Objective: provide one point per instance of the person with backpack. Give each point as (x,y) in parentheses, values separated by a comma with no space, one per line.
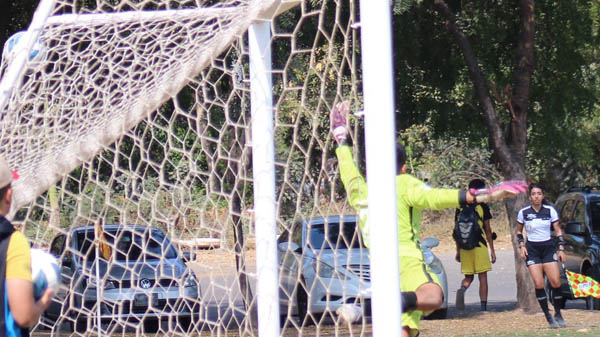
(18,311)
(472,234)
(420,288)
(541,252)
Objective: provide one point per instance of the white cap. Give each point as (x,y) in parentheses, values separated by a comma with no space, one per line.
(6,175)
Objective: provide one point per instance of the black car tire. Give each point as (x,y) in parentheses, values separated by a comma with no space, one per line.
(592,303)
(304,318)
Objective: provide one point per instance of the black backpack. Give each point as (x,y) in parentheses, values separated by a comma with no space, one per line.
(467,232)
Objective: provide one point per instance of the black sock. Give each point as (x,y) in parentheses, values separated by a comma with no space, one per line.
(558,300)
(409,301)
(483,305)
(464,288)
(542,300)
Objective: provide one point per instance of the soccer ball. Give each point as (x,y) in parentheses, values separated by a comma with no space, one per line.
(45,272)
(36,54)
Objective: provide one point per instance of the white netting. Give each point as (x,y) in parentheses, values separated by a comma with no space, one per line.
(139,114)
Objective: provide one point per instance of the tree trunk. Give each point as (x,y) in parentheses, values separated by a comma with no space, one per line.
(235,180)
(510,150)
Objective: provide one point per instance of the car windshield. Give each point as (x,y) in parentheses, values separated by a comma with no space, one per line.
(131,245)
(333,235)
(595,214)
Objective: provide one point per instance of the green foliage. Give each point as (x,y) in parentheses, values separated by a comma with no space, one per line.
(447,162)
(433,84)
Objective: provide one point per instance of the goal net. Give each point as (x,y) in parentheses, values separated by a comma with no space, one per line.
(130,129)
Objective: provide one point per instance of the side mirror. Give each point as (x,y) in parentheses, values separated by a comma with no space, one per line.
(189,256)
(575,228)
(288,245)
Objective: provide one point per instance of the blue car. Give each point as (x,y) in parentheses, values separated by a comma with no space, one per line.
(144,281)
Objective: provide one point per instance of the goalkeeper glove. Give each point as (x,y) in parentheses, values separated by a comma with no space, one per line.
(505,189)
(339,128)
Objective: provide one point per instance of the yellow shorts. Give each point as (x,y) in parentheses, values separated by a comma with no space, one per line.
(475,261)
(413,274)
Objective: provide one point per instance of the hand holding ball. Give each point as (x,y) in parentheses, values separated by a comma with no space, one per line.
(45,272)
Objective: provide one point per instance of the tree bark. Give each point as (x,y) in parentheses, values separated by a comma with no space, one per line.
(510,150)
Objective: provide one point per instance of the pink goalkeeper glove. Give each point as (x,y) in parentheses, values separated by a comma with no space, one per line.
(505,189)
(338,124)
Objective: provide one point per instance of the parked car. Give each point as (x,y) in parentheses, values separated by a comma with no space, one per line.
(579,210)
(146,279)
(324,264)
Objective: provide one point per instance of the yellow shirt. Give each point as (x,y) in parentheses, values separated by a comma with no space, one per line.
(412,195)
(18,258)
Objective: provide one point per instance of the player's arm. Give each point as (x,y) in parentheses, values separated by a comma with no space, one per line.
(559,234)
(422,196)
(19,288)
(487,228)
(354,183)
(25,310)
(520,238)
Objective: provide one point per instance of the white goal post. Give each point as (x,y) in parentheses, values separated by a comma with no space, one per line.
(138,113)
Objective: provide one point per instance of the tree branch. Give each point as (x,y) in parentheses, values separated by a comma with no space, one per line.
(475,73)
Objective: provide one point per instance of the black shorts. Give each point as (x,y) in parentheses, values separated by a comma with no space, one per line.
(540,252)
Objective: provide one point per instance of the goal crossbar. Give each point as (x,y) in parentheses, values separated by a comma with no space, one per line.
(55,153)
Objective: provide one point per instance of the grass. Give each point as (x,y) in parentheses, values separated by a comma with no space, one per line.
(552,333)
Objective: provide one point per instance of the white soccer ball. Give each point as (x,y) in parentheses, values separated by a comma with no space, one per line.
(349,313)
(36,54)
(45,272)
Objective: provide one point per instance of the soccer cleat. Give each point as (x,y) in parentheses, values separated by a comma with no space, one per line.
(553,324)
(559,319)
(460,299)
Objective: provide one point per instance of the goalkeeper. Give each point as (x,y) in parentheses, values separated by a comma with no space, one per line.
(420,287)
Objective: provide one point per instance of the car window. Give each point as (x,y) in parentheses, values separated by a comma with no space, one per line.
(565,211)
(142,244)
(595,214)
(579,212)
(335,235)
(57,245)
(297,234)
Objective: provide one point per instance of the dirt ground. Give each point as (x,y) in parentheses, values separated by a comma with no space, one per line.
(499,320)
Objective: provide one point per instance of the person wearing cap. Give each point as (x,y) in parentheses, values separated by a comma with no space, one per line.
(420,289)
(19,310)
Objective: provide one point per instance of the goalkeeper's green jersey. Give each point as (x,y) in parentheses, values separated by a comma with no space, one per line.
(412,194)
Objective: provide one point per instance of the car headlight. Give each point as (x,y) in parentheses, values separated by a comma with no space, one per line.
(190,281)
(90,284)
(326,271)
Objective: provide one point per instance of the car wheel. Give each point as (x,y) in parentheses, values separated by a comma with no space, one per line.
(304,317)
(150,325)
(438,314)
(184,324)
(591,303)
(282,320)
